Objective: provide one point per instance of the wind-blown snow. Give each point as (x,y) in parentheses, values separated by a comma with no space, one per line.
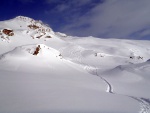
(71,74)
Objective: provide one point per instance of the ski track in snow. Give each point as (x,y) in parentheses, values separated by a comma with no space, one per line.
(76,54)
(144,103)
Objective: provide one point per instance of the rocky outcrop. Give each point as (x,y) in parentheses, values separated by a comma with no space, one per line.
(136,57)
(39,36)
(36,52)
(8,32)
(33,26)
(48,37)
(39,31)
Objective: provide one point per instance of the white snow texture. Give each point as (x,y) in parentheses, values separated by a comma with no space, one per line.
(42,71)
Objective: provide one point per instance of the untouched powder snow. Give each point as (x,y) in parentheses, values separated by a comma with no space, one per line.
(46,72)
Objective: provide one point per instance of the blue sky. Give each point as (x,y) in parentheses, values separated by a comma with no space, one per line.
(101,18)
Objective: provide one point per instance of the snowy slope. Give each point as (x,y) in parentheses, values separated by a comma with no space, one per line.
(70,74)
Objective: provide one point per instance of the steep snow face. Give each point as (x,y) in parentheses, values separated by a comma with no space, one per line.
(42,71)
(26,27)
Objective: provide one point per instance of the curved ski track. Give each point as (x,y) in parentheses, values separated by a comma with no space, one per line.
(76,54)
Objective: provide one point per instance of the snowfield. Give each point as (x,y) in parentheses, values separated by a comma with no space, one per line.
(46,72)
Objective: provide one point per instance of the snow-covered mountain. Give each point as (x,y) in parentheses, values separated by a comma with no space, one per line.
(42,71)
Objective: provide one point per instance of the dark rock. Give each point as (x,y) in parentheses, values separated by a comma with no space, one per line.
(8,32)
(37,50)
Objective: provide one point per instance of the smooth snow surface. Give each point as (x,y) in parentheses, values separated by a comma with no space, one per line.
(71,74)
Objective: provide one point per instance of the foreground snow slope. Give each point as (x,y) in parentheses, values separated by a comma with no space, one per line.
(70,74)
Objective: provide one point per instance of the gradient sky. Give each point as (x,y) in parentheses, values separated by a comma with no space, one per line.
(100,18)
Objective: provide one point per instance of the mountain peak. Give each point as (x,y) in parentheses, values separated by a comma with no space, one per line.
(23,17)
(35,29)
(32,21)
